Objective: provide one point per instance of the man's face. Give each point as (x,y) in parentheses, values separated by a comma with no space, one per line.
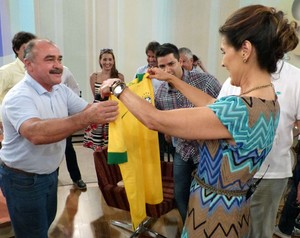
(186,62)
(170,65)
(46,66)
(151,59)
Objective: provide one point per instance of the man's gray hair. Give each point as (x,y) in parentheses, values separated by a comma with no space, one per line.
(29,50)
(186,51)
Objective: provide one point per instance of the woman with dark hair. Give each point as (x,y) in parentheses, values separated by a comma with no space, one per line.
(96,136)
(108,70)
(235,133)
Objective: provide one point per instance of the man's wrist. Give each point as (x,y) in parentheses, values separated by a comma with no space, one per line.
(171,80)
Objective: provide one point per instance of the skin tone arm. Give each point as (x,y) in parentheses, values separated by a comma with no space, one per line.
(194,95)
(121,76)
(199,63)
(39,131)
(188,123)
(93,78)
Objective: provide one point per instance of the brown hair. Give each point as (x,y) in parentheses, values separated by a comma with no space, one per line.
(267,29)
(152,46)
(114,72)
(21,38)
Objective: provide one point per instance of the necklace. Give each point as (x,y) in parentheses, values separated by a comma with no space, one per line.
(258,87)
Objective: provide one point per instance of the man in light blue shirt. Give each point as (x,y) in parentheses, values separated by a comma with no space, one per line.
(38,114)
(151,62)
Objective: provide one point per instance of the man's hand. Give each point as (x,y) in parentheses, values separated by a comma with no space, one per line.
(102,112)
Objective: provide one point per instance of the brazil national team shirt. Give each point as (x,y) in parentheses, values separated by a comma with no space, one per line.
(136,149)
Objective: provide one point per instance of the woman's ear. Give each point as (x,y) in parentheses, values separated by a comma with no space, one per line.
(246,50)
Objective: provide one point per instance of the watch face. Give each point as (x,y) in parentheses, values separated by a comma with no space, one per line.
(118,89)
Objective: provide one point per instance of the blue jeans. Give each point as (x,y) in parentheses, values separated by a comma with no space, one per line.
(71,160)
(31,201)
(289,213)
(182,182)
(291,209)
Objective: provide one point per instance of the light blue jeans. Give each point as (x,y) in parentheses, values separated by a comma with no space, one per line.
(31,202)
(182,182)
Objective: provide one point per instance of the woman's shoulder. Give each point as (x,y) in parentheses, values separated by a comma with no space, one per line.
(95,75)
(121,76)
(229,98)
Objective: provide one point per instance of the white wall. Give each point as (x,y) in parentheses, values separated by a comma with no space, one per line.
(82,27)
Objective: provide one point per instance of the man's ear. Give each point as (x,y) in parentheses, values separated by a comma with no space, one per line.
(180,61)
(28,65)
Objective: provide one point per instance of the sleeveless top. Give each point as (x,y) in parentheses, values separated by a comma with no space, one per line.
(96,136)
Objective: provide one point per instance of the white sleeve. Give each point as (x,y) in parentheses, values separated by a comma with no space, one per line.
(69,80)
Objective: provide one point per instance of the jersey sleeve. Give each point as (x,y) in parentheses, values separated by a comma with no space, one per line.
(117,150)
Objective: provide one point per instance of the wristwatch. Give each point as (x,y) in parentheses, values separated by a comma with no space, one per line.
(117,88)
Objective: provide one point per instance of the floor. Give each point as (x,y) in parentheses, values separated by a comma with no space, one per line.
(86,214)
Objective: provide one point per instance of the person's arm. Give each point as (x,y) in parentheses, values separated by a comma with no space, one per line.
(39,131)
(93,78)
(194,95)
(200,64)
(121,76)
(188,123)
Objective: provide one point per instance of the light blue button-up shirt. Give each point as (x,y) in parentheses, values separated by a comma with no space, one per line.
(26,100)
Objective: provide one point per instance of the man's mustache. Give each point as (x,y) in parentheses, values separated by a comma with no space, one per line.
(56,71)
